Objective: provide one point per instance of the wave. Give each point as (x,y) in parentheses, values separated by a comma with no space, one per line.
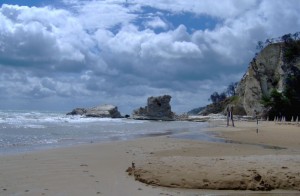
(40,120)
(21,130)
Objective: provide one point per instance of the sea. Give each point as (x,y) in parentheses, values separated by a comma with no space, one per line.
(24,131)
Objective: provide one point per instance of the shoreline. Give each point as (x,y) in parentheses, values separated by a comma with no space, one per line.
(99,169)
(39,135)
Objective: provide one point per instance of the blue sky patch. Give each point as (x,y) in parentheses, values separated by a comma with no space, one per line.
(30,3)
(192,21)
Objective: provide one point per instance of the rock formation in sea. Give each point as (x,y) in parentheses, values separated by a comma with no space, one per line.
(77,111)
(102,111)
(158,108)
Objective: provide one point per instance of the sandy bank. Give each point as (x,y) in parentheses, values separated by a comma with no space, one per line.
(263,157)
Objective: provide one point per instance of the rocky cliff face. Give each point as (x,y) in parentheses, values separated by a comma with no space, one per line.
(158,108)
(266,72)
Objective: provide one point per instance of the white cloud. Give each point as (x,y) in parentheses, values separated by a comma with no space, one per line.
(221,9)
(32,38)
(156,23)
(163,48)
(105,14)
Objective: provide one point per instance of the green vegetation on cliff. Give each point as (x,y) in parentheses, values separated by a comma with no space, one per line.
(221,100)
(287,102)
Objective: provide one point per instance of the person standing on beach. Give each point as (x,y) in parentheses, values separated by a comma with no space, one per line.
(230,115)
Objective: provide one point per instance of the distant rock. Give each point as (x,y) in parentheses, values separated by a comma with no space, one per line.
(195,111)
(77,111)
(102,111)
(158,108)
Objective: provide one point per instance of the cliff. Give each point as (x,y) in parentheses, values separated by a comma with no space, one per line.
(268,71)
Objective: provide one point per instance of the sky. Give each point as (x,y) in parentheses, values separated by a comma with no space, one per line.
(56,55)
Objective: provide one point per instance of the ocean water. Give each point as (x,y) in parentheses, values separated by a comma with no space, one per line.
(22,131)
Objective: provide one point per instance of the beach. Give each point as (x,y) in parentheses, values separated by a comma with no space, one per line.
(263,157)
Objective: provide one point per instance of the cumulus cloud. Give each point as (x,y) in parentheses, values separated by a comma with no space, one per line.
(121,52)
(156,23)
(224,9)
(41,37)
(104,14)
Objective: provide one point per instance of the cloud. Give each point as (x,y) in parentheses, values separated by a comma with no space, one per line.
(156,23)
(30,39)
(121,52)
(223,9)
(104,14)
(170,45)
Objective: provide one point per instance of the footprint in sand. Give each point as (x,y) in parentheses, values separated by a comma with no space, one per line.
(257,178)
(245,175)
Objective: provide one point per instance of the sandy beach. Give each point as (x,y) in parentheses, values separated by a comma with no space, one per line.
(264,158)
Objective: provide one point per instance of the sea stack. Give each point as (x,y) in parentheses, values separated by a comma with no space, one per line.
(102,111)
(158,108)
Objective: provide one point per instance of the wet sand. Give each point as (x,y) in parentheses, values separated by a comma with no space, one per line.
(99,169)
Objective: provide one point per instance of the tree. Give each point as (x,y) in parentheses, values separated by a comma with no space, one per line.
(296,35)
(231,89)
(291,50)
(222,96)
(286,103)
(216,97)
(287,38)
(292,92)
(268,41)
(276,102)
(260,45)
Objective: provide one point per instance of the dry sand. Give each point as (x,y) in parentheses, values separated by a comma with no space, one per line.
(250,159)
(254,160)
